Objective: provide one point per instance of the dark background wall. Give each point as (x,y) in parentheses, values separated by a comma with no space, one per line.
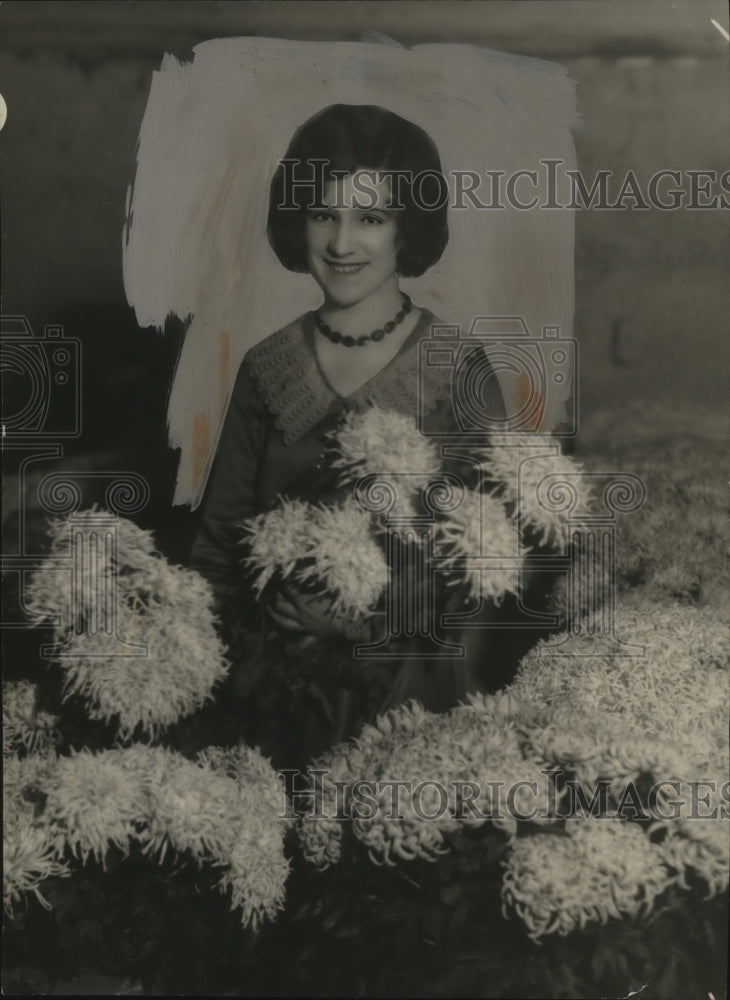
(651,302)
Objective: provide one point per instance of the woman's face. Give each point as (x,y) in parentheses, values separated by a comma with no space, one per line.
(352,240)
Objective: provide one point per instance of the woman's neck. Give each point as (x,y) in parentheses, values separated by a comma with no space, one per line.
(367,315)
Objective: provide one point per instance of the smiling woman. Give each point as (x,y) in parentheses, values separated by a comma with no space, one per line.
(344,208)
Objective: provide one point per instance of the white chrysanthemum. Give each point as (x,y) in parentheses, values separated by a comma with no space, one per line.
(24,781)
(184,662)
(521,465)
(150,768)
(440,757)
(98,561)
(656,719)
(677,690)
(92,554)
(602,869)
(320,830)
(343,558)
(93,803)
(257,869)
(701,846)
(276,540)
(479,526)
(134,545)
(194,810)
(384,443)
(226,809)
(29,858)
(321,841)
(502,706)
(460,750)
(252,772)
(154,796)
(23,726)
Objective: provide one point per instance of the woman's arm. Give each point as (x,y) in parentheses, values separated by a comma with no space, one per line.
(231,497)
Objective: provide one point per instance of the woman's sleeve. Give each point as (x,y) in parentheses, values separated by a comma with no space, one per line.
(231,497)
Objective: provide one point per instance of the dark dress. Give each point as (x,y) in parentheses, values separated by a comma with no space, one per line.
(272,445)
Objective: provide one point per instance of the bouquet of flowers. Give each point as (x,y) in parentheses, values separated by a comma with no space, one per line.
(469,525)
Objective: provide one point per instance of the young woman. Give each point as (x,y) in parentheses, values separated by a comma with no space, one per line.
(348,205)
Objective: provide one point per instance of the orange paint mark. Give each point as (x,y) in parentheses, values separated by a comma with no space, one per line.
(224,365)
(200,447)
(528,403)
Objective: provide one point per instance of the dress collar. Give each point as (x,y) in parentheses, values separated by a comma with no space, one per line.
(295,391)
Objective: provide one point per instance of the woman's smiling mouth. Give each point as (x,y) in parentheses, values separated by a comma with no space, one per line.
(344,268)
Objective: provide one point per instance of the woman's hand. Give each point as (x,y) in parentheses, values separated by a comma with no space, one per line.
(294,611)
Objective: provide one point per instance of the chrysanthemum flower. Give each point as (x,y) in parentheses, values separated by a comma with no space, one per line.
(457,750)
(112,602)
(653,720)
(84,566)
(232,821)
(677,690)
(29,858)
(276,539)
(384,443)
(701,846)
(478,527)
(438,756)
(183,664)
(87,802)
(320,830)
(252,772)
(602,869)
(194,810)
(521,464)
(24,779)
(24,727)
(344,559)
(93,803)
(256,871)
(96,560)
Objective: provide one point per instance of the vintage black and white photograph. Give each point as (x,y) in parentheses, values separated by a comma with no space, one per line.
(365,593)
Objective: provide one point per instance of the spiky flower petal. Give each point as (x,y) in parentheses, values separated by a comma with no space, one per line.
(548,489)
(29,858)
(24,727)
(479,527)
(92,803)
(154,669)
(384,443)
(276,540)
(330,548)
(600,869)
(345,558)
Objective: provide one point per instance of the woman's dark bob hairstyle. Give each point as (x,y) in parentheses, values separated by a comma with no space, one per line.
(340,139)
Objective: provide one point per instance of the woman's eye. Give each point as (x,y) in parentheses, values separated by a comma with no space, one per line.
(320,216)
(372,220)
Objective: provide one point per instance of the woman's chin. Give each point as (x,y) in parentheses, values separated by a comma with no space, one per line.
(341,299)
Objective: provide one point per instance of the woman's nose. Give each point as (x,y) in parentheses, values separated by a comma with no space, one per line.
(340,242)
